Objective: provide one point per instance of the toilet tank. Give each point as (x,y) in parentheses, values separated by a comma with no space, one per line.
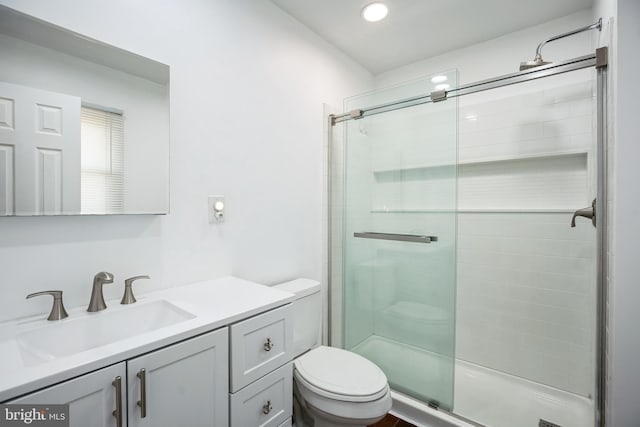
(307,313)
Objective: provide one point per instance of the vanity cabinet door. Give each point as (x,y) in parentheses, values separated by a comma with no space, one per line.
(91,397)
(185,384)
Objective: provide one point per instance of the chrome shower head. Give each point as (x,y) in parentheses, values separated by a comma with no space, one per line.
(537,61)
(533,64)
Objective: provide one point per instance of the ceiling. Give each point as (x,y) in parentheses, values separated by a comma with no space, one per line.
(418,29)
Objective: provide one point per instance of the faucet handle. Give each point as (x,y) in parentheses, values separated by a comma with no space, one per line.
(57,310)
(128,297)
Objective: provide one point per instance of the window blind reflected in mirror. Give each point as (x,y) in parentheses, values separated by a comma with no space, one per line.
(102,161)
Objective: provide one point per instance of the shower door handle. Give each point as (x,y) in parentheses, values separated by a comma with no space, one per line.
(398,237)
(589,212)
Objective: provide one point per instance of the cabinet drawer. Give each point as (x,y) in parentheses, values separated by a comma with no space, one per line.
(260,344)
(286,423)
(267,402)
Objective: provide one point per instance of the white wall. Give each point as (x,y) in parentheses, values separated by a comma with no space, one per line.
(247,86)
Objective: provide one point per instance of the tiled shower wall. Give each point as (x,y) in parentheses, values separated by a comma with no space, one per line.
(526,279)
(526,297)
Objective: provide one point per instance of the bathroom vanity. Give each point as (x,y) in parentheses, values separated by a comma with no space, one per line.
(214,353)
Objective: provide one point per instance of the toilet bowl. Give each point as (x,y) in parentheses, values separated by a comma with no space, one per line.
(332,387)
(340,388)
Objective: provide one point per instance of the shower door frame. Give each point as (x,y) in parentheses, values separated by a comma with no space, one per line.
(599,60)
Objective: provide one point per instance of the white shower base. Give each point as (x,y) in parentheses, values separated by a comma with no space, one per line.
(486,396)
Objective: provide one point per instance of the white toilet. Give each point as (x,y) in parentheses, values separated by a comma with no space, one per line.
(332,387)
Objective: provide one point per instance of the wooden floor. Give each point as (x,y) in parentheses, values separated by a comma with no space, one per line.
(391,421)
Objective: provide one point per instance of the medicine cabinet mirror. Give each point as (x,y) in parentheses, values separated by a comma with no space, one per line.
(84,126)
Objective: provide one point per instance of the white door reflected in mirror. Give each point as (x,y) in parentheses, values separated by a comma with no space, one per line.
(40,162)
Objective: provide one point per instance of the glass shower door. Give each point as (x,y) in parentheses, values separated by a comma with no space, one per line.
(399,271)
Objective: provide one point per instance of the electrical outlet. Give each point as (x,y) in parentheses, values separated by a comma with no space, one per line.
(216,208)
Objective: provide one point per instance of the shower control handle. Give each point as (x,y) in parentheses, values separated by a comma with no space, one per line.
(589,212)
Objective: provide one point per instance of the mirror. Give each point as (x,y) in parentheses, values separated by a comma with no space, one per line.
(84,126)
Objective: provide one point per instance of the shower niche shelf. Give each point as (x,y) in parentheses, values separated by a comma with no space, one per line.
(474,161)
(545,183)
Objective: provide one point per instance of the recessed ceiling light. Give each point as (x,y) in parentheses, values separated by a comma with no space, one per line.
(438,79)
(375,12)
(443,86)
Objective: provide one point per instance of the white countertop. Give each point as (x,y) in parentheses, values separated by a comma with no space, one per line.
(214,303)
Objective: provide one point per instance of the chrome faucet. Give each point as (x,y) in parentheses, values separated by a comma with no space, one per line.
(97,299)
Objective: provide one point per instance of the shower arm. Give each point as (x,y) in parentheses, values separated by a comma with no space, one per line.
(597,25)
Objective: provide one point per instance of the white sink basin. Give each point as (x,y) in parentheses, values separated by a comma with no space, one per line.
(71,336)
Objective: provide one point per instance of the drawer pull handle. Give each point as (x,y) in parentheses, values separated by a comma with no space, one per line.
(266,408)
(268,345)
(117,383)
(142,403)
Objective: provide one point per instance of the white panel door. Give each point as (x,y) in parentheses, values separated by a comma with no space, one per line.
(186,384)
(6,179)
(7,136)
(39,151)
(91,397)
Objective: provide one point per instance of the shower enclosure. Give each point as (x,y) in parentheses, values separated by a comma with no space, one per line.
(453,263)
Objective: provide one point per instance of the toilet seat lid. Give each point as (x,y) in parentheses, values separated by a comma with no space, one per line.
(342,375)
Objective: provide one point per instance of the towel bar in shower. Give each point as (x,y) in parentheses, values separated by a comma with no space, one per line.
(398,237)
